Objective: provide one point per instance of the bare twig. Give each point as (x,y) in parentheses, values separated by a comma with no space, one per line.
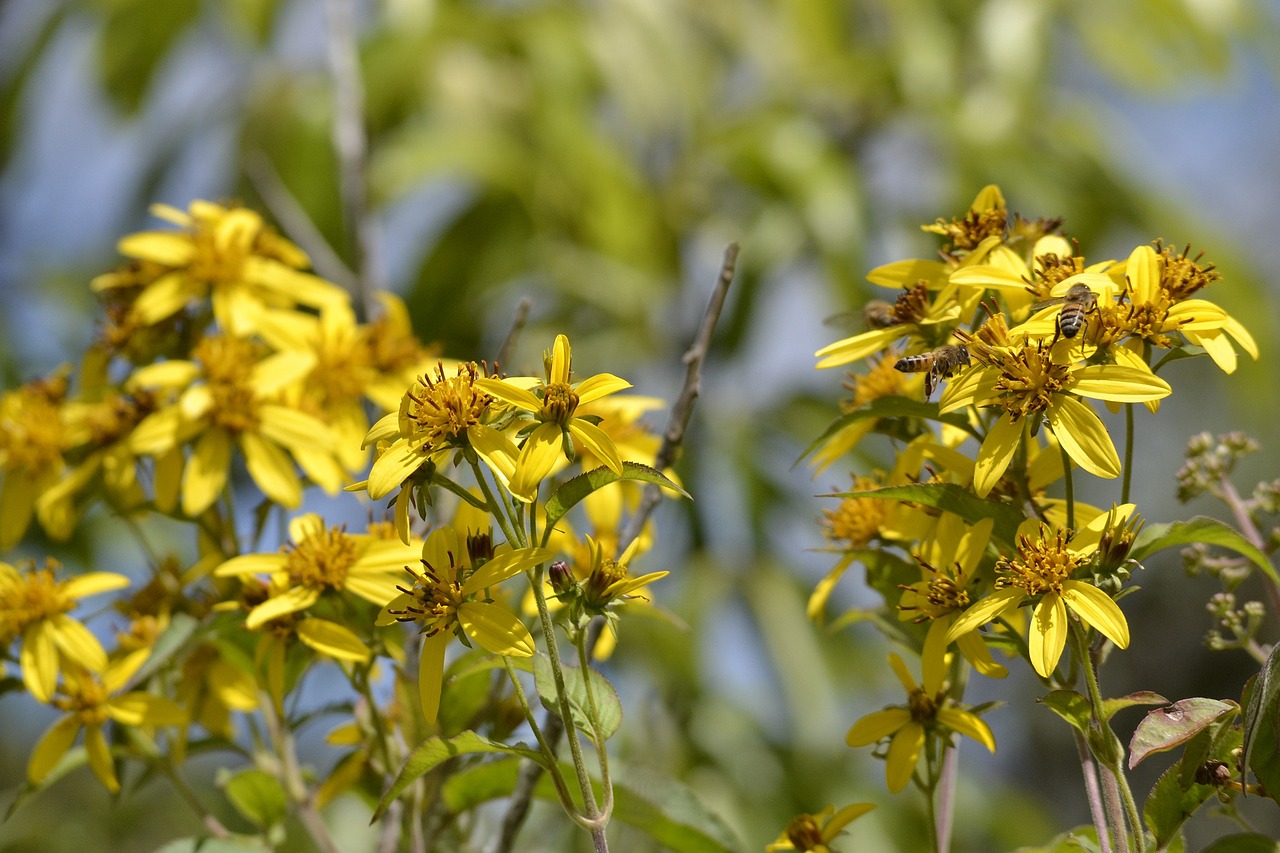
(517,326)
(350,143)
(295,221)
(677,422)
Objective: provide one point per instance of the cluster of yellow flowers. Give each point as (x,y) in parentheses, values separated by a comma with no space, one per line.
(224,369)
(961,534)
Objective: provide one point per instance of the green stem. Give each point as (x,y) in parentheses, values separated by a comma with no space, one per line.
(497,509)
(552,767)
(584,660)
(1128,453)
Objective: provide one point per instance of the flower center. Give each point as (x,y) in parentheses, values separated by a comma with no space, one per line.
(923,707)
(36,596)
(855,521)
(1041,565)
(882,380)
(222,244)
(85,698)
(322,559)
(559,402)
(228,366)
(435,598)
(1028,380)
(443,408)
(31,433)
(804,833)
(1183,276)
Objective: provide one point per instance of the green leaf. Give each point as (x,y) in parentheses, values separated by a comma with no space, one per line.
(887,407)
(1169,806)
(181,628)
(435,751)
(1260,723)
(606,698)
(1246,842)
(1082,839)
(257,796)
(1165,728)
(574,490)
(954,499)
(1070,706)
(666,810)
(1210,531)
(1142,697)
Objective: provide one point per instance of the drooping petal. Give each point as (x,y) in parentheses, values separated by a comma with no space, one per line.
(597,442)
(877,725)
(996,453)
(1047,634)
(38,660)
(985,610)
(496,628)
(497,451)
(904,752)
(272,469)
(1085,438)
(53,744)
(540,453)
(332,639)
(431,674)
(95,744)
(969,725)
(76,642)
(206,471)
(290,601)
(165,297)
(1098,609)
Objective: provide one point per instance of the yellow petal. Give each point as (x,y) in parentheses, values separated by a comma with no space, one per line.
(251,564)
(431,674)
(504,566)
(332,639)
(1098,609)
(1047,635)
(904,752)
(856,347)
(95,744)
(272,469)
(395,465)
(165,297)
(1083,435)
(975,651)
(508,393)
(496,628)
(290,601)
(293,428)
(168,248)
(137,708)
(984,611)
(541,450)
(561,361)
(1143,272)
(497,451)
(597,442)
(93,583)
(906,273)
(387,429)
(969,725)
(206,471)
(76,642)
(877,725)
(600,385)
(1117,383)
(53,744)
(996,453)
(38,660)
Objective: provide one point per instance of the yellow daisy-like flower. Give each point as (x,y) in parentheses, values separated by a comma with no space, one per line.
(226,254)
(1027,384)
(449,596)
(881,380)
(1044,567)
(33,439)
(228,397)
(939,599)
(554,402)
(813,833)
(1157,304)
(320,559)
(34,607)
(927,708)
(90,702)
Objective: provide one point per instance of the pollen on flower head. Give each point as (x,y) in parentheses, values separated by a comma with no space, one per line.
(1029,378)
(1041,566)
(1181,276)
(35,595)
(856,520)
(882,380)
(31,433)
(559,402)
(434,598)
(322,560)
(804,833)
(1051,269)
(84,698)
(442,408)
(912,304)
(228,367)
(964,234)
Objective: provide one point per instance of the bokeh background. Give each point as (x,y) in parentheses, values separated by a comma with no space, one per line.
(596,158)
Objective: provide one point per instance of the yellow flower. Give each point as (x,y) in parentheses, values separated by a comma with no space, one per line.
(956,547)
(228,255)
(228,398)
(90,702)
(925,321)
(319,560)
(1043,569)
(554,402)
(33,438)
(449,596)
(809,833)
(881,380)
(1026,384)
(928,707)
(34,607)
(1158,285)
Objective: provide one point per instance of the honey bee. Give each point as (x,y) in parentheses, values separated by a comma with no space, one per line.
(938,364)
(1078,302)
(879,314)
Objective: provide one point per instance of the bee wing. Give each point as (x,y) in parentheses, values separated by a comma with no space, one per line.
(1048,303)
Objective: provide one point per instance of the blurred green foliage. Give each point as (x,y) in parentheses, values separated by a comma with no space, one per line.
(597,157)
